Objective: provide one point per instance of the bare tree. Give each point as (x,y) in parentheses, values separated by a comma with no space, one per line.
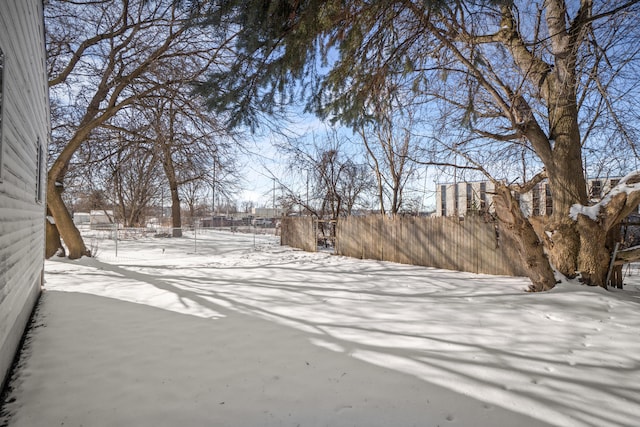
(335,183)
(104,57)
(354,183)
(136,181)
(192,192)
(541,80)
(246,206)
(514,76)
(388,137)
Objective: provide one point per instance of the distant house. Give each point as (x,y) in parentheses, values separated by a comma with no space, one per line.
(81,219)
(24,132)
(267,212)
(101,219)
(462,198)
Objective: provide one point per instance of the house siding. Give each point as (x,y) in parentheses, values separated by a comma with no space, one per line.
(24,126)
(468,196)
(458,198)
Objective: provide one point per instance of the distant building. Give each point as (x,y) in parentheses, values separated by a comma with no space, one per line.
(96,219)
(81,219)
(24,132)
(267,212)
(101,219)
(461,198)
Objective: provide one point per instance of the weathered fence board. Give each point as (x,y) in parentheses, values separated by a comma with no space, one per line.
(471,244)
(299,232)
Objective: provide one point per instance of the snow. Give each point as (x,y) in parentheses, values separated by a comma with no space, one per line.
(628,184)
(235,330)
(590,212)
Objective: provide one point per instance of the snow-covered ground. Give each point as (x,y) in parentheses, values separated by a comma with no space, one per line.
(235,330)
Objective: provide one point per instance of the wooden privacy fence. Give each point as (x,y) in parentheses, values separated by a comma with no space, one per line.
(299,232)
(470,244)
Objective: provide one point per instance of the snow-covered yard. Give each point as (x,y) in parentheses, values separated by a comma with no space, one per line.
(244,332)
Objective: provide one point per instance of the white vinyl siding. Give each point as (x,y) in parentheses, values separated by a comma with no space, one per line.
(1,99)
(25,131)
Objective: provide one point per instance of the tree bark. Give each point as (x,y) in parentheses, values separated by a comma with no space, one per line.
(53,242)
(64,222)
(598,235)
(563,247)
(170,172)
(594,256)
(530,248)
(568,185)
(560,150)
(176,220)
(127,38)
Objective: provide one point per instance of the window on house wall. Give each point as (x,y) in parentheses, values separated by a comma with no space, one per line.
(596,189)
(483,196)
(469,197)
(456,202)
(443,200)
(535,201)
(548,200)
(39,174)
(1,102)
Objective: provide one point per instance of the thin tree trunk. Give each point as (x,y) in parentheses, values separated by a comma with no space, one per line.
(376,170)
(614,236)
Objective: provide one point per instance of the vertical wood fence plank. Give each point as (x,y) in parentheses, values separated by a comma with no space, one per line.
(442,242)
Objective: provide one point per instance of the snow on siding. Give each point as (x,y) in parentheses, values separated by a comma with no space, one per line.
(25,125)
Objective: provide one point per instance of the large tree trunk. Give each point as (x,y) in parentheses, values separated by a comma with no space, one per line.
(53,244)
(559,145)
(563,246)
(594,256)
(63,222)
(597,235)
(176,220)
(530,249)
(170,172)
(567,183)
